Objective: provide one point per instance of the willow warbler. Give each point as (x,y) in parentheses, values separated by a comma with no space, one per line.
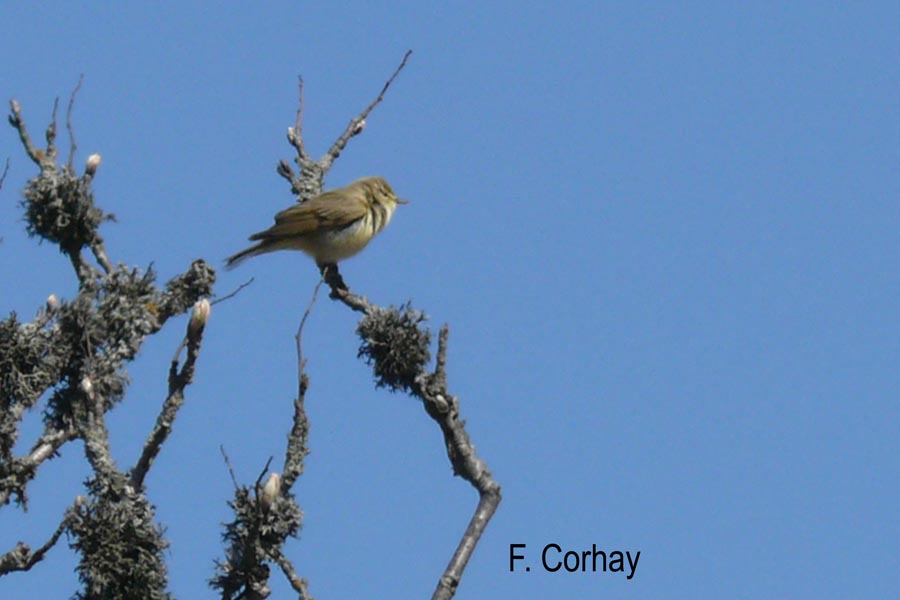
(331,226)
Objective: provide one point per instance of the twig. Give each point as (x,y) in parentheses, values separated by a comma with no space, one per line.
(262,474)
(100,254)
(21,558)
(15,119)
(178,381)
(440,367)
(50,135)
(5,172)
(308,182)
(297,137)
(234,293)
(298,583)
(299,334)
(229,467)
(297,446)
(380,97)
(72,145)
(300,107)
(357,123)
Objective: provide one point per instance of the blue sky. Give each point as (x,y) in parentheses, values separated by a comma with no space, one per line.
(664,237)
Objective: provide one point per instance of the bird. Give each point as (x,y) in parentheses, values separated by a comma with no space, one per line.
(330,227)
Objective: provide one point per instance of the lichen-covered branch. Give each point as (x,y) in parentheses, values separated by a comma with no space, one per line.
(396,345)
(265,519)
(179,379)
(72,356)
(261,525)
(120,548)
(15,473)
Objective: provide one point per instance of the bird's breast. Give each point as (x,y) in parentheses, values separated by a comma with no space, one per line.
(337,244)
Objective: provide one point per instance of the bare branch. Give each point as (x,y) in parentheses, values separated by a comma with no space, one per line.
(72,145)
(15,119)
(50,135)
(232,294)
(284,169)
(298,336)
(466,464)
(357,124)
(5,172)
(298,583)
(295,135)
(21,558)
(262,473)
(230,468)
(308,182)
(100,254)
(449,581)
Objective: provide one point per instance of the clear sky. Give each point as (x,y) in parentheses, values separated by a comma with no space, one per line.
(665,238)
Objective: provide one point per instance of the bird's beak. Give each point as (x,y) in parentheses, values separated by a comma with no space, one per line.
(401,201)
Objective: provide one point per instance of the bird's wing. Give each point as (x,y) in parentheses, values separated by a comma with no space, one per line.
(327,211)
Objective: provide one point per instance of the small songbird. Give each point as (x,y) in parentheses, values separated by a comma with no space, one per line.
(331,226)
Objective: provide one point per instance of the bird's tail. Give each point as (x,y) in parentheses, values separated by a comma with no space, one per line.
(236,259)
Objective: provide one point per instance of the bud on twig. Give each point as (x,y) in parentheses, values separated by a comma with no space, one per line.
(93,161)
(270,491)
(87,387)
(358,128)
(52,303)
(199,317)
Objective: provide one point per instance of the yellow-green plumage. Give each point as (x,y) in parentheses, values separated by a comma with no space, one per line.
(331,226)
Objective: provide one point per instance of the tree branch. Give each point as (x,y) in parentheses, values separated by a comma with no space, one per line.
(178,381)
(5,173)
(72,145)
(297,446)
(312,172)
(15,119)
(358,123)
(396,345)
(22,470)
(298,583)
(21,558)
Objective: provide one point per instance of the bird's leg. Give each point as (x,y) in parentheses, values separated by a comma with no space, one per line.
(332,277)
